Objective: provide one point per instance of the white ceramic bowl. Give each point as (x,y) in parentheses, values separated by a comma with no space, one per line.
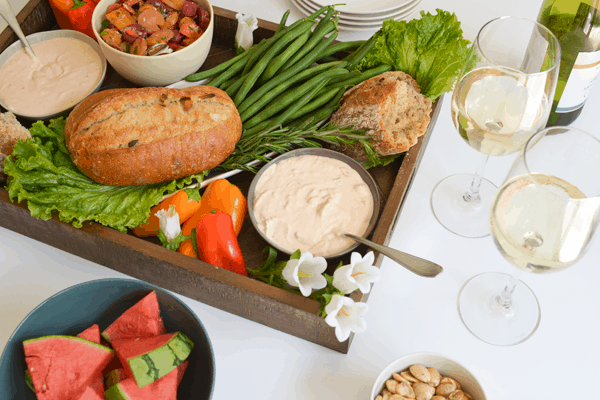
(42,37)
(446,366)
(158,70)
(364,174)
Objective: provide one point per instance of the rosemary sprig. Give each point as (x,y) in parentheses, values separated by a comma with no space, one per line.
(281,140)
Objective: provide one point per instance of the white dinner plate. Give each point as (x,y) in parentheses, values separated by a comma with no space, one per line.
(366,17)
(363,7)
(359,26)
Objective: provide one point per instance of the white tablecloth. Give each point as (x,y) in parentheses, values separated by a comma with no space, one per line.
(406,313)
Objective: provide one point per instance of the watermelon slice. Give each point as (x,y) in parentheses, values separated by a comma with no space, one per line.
(91,394)
(148,359)
(93,335)
(28,380)
(164,388)
(117,375)
(61,367)
(141,320)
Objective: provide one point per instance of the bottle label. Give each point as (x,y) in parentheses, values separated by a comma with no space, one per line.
(582,77)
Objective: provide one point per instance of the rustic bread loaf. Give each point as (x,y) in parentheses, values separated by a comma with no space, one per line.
(391,108)
(10,131)
(124,137)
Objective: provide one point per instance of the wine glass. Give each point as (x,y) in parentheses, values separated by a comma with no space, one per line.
(501,100)
(542,220)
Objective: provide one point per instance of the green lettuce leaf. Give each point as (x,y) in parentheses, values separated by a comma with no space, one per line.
(41,172)
(431,50)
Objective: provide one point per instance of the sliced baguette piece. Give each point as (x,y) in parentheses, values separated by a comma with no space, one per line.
(392,110)
(125,137)
(10,131)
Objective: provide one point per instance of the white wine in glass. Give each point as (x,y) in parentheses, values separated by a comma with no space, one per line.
(501,100)
(542,220)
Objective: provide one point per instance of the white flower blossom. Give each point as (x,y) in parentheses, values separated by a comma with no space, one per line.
(246,25)
(345,316)
(169,222)
(359,274)
(306,273)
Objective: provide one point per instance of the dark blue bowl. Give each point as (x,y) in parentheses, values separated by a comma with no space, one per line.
(100,302)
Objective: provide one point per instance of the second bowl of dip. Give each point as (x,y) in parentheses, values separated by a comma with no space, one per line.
(49,97)
(304,198)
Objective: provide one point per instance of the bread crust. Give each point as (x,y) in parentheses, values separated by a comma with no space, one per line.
(391,109)
(125,137)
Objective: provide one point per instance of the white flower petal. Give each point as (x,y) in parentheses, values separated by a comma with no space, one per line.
(345,316)
(306,273)
(246,25)
(169,222)
(343,281)
(290,272)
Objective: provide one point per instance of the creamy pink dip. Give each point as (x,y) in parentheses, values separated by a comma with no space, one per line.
(304,202)
(67,71)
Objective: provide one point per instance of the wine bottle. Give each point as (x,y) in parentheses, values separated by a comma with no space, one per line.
(576,24)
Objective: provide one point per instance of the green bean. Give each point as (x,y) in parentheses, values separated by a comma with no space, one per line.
(230,82)
(321,113)
(326,18)
(315,103)
(359,54)
(233,89)
(277,79)
(266,97)
(285,115)
(283,21)
(316,37)
(219,68)
(342,46)
(355,80)
(286,99)
(230,73)
(262,64)
(277,62)
(272,40)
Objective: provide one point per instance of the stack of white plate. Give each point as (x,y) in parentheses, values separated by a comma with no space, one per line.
(362,15)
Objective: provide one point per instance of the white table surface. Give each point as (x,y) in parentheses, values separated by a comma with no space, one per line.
(406,313)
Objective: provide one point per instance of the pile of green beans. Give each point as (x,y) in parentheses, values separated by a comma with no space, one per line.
(275,83)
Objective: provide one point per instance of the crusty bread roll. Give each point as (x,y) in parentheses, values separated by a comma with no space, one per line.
(10,131)
(391,108)
(125,137)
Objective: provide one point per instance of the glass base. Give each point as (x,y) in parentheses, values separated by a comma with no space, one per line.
(455,213)
(489,321)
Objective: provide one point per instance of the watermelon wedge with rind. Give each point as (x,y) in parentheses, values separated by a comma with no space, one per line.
(141,320)
(117,375)
(61,367)
(28,380)
(93,335)
(164,388)
(149,359)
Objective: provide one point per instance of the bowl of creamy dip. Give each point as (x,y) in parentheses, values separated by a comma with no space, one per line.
(69,67)
(305,198)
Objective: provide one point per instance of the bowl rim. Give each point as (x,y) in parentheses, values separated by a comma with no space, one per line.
(108,281)
(318,151)
(375,389)
(103,44)
(56,34)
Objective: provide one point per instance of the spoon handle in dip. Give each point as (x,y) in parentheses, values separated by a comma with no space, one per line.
(8,14)
(414,264)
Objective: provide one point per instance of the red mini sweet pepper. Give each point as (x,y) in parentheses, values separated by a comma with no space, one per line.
(80,16)
(217,242)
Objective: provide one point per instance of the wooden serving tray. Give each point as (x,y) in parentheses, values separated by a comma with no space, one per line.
(145,259)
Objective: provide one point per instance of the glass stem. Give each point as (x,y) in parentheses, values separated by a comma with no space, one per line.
(471,196)
(504,299)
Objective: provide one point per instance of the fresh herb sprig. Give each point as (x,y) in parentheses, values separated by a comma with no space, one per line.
(283,139)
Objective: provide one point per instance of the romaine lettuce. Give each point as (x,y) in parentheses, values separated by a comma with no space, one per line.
(41,172)
(431,50)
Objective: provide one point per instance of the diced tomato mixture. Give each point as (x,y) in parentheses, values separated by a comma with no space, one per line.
(133,26)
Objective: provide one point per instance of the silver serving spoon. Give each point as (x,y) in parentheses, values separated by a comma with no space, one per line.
(9,16)
(159,48)
(414,264)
